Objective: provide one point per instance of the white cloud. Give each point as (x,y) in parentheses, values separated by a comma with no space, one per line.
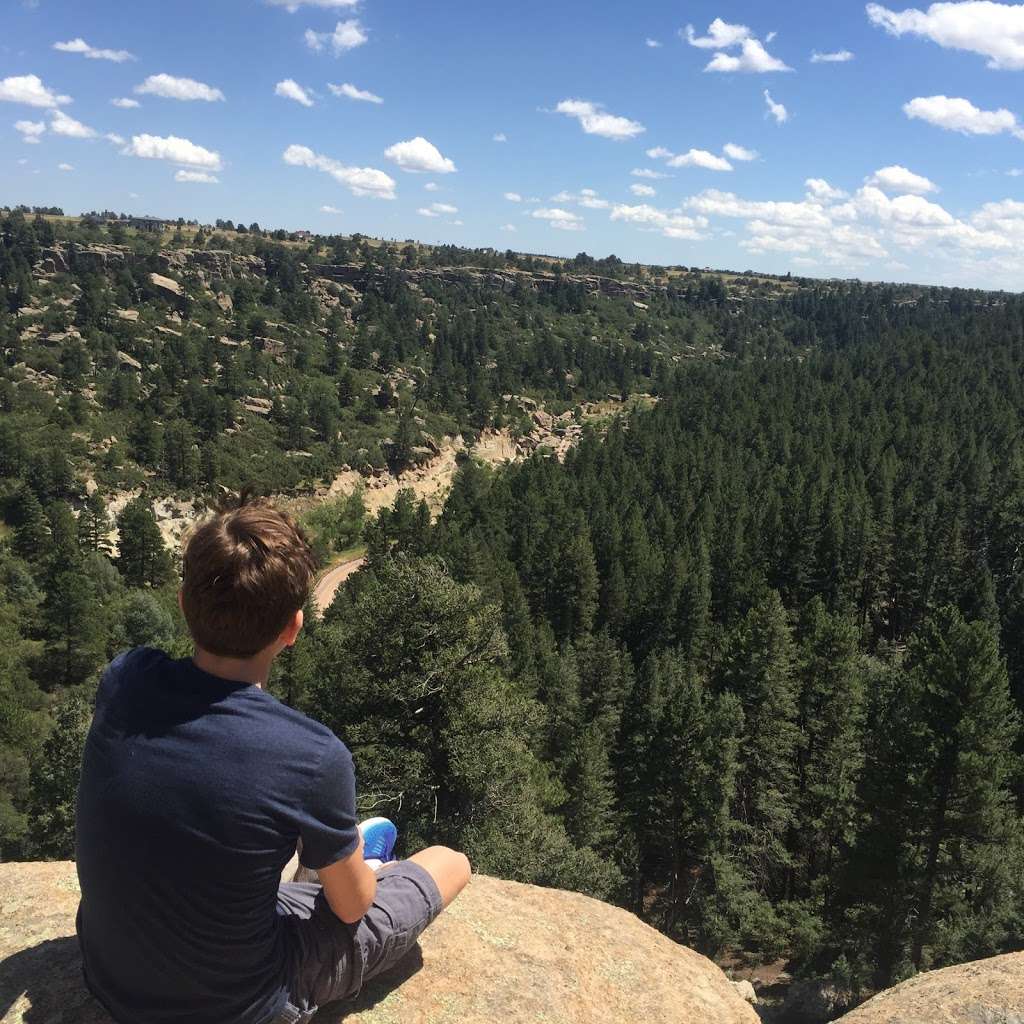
(652,43)
(61,124)
(585,197)
(419,156)
(839,57)
(564,220)
(291,90)
(753,58)
(721,35)
(956,114)
(595,121)
(172,88)
(1015,172)
(347,35)
(776,110)
(117,140)
(349,90)
(82,47)
(820,190)
(22,161)
(499,137)
(646,172)
(291,6)
(642,190)
(508,227)
(197,177)
(513,197)
(29,89)
(361,181)
(671,223)
(125,103)
(735,152)
(700,158)
(990,29)
(30,130)
(327,208)
(65,167)
(431,186)
(899,179)
(174,149)
(659,153)
(437,209)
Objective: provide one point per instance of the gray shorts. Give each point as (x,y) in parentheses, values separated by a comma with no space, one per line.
(330,960)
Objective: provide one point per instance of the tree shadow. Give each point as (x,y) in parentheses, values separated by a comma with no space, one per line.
(43,985)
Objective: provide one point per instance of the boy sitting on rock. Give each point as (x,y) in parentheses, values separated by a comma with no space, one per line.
(197,787)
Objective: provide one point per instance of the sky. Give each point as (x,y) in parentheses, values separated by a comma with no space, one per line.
(833,139)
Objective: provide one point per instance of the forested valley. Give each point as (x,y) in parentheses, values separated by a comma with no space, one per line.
(748,661)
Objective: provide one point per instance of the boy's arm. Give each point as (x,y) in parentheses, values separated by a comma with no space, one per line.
(349,885)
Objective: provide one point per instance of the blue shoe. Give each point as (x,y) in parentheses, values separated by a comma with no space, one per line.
(379,837)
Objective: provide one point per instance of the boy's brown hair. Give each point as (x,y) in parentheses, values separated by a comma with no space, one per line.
(245,573)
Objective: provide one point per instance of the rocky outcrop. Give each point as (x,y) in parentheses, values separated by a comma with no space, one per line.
(211,262)
(504,952)
(60,259)
(169,290)
(982,992)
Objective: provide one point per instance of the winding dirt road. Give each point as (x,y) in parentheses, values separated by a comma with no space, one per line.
(324,591)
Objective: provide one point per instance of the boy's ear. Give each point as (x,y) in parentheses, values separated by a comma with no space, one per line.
(292,630)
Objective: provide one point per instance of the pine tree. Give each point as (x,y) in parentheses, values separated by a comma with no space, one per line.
(142,558)
(94,524)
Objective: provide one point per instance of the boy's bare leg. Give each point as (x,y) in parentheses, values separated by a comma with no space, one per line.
(449,869)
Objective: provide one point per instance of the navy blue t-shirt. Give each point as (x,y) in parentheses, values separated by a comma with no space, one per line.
(194,791)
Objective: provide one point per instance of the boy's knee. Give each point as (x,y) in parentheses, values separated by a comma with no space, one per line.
(455,862)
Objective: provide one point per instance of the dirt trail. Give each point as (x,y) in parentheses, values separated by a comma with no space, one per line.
(327,587)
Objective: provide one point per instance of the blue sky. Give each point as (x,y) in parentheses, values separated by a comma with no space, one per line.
(902,161)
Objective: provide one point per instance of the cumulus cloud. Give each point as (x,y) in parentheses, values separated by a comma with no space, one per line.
(125,103)
(361,181)
(349,90)
(30,130)
(993,30)
(61,124)
(647,172)
(117,140)
(499,137)
(734,152)
(418,156)
(753,59)
(642,190)
(82,47)
(821,190)
(347,35)
(700,158)
(291,90)
(956,114)
(327,208)
(172,88)
(652,43)
(721,35)
(431,186)
(29,89)
(585,197)
(291,6)
(896,178)
(596,121)
(65,167)
(564,220)
(513,197)
(839,57)
(776,110)
(671,223)
(437,209)
(197,177)
(508,227)
(174,149)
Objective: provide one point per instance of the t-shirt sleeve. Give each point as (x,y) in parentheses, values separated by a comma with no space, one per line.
(327,826)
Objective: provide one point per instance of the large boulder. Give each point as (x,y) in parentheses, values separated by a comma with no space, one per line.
(981,992)
(503,952)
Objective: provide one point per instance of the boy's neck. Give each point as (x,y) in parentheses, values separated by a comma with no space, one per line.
(253,671)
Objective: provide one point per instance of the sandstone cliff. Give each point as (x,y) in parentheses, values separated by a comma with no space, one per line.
(983,992)
(504,952)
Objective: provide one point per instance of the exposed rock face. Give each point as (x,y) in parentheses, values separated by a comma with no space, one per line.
(982,992)
(504,952)
(212,262)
